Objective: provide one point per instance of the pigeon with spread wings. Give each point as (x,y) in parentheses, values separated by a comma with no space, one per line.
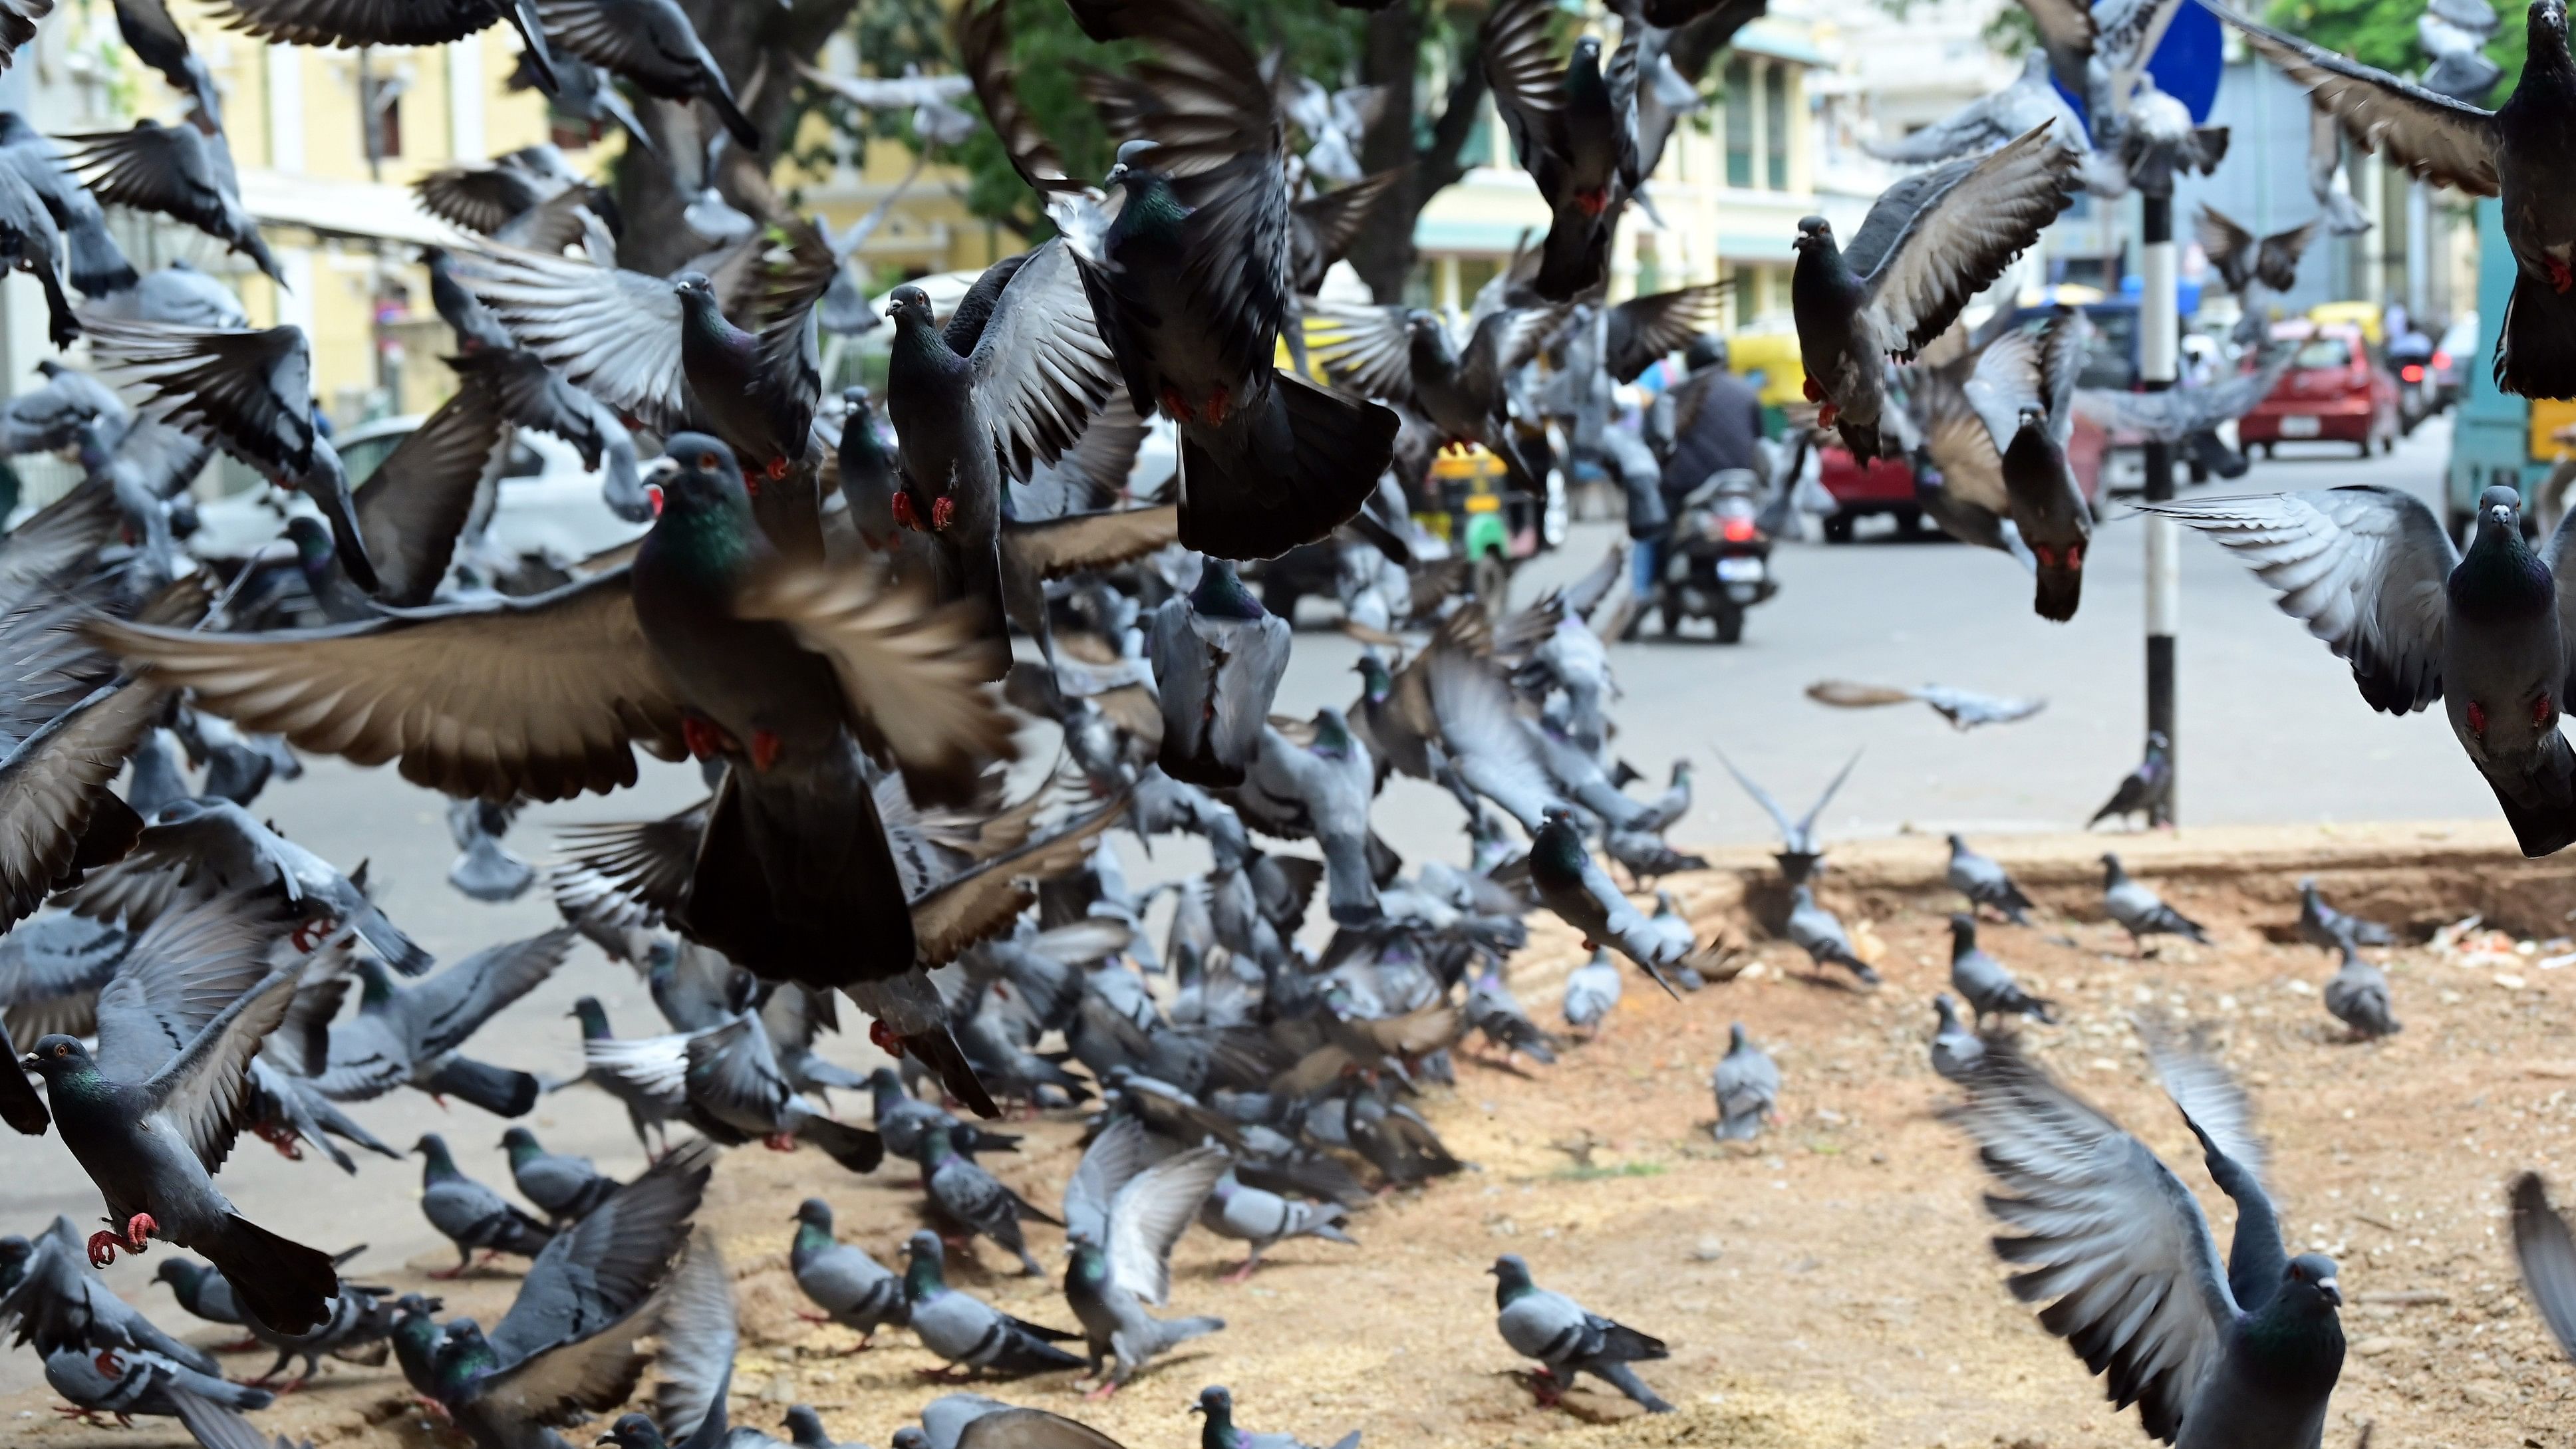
(1574,130)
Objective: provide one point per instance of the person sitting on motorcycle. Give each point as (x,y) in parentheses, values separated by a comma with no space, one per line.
(1709,421)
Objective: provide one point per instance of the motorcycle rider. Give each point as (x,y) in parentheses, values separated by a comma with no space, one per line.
(1711,420)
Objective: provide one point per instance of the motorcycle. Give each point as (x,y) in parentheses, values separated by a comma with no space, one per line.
(1717,556)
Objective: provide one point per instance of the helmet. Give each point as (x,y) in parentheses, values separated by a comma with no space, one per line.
(1707,350)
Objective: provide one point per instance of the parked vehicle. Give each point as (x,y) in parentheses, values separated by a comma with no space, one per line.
(1886,485)
(1469,503)
(1717,557)
(2337,390)
(2452,354)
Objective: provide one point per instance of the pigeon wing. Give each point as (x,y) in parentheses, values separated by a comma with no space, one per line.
(1643,329)
(1114,1157)
(1150,1214)
(1961,239)
(539,696)
(411,509)
(602,1267)
(246,391)
(444,1010)
(186,970)
(1363,348)
(57,817)
(2440,139)
(614,333)
(201,1091)
(698,1337)
(2548,1258)
(984,899)
(2363,567)
(1019,1428)
(2208,1095)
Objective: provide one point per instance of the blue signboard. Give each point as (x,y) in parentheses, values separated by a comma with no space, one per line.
(2186,63)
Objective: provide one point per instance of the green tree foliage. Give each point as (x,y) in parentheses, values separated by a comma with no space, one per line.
(2382,33)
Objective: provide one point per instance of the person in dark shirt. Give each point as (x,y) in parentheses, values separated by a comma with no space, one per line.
(1710,421)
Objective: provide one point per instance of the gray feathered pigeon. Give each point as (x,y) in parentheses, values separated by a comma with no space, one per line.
(1591,992)
(1568,1339)
(2023,388)
(470,1215)
(1574,130)
(737,1093)
(651,44)
(612,1065)
(2140,911)
(1956,1050)
(1964,709)
(2144,790)
(1984,984)
(1322,788)
(1747,1083)
(1219,1430)
(127,1382)
(1122,1213)
(2357,995)
(1931,242)
(1799,854)
(2028,102)
(1264,1219)
(2547,1256)
(2242,260)
(2372,573)
(1985,883)
(2180,414)
(2324,926)
(1461,387)
(901,1119)
(853,1289)
(1819,932)
(410,1035)
(1218,658)
(975,1199)
(969,1333)
(57,1304)
(1582,895)
(563,1188)
(485,869)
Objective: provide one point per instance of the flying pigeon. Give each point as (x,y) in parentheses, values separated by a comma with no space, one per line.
(1461,387)
(2182,414)
(1591,992)
(1567,1339)
(1963,709)
(1573,129)
(184,172)
(410,1035)
(652,44)
(976,1200)
(1582,895)
(2242,260)
(1218,659)
(2140,911)
(1799,855)
(1747,1083)
(2547,1257)
(2142,791)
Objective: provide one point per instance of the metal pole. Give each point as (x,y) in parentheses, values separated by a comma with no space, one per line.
(2159,337)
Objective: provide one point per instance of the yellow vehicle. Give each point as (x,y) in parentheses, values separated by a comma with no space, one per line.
(1769,359)
(2364,315)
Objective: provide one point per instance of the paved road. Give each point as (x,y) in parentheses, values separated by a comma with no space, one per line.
(2271,730)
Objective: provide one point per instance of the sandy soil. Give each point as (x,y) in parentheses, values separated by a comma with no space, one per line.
(1832,1287)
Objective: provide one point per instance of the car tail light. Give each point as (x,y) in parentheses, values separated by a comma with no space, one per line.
(2411,373)
(2441,362)
(1738,530)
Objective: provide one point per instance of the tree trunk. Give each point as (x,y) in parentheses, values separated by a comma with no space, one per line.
(1383,252)
(757,43)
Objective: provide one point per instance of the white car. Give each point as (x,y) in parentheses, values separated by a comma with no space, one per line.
(550,505)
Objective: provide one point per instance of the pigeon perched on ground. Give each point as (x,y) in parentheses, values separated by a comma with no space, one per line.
(976,1200)
(1930,243)
(1567,1339)
(1985,883)
(2141,911)
(1493,1010)
(1984,984)
(2215,1358)
(1964,710)
(853,1289)
(360,1317)
(1747,1083)
(563,1188)
(2358,996)
(1819,933)
(1122,1214)
(1265,1219)
(470,1215)
(1956,1050)
(2514,153)
(2373,574)
(127,1382)
(901,1119)
(2144,790)
(409,1035)
(968,1333)
(1220,1431)
(1581,894)
(2547,1257)
(1799,854)
(1591,992)
(1218,658)
(149,1115)
(2323,926)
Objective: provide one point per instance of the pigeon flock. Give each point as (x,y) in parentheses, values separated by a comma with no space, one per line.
(851,611)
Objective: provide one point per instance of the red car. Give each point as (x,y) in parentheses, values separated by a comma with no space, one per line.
(2335,391)
(1886,485)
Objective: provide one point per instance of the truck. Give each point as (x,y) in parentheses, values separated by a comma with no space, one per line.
(2497,439)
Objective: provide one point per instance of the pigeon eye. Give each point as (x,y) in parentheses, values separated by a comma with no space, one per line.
(707,461)
(62,1051)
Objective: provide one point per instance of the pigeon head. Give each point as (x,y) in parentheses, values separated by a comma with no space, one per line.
(698,477)
(312,543)
(594,1018)
(1963,933)
(632,1431)
(853,399)
(180,1273)
(1090,1265)
(1735,1040)
(57,1058)
(519,1142)
(1215,1402)
(2111,873)
(1221,593)
(1375,682)
(909,305)
(1814,232)
(909,1437)
(1946,1009)
(1511,1279)
(433,1149)
(695,289)
(2500,507)
(883,1080)
(813,1212)
(2546,20)
(1332,733)
(1958,846)
(2309,1283)
(804,1426)
(1134,166)
(922,1274)
(2156,741)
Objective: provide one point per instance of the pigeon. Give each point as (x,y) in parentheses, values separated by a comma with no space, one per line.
(1591,992)
(710,642)
(1984,984)
(1820,934)
(853,1289)
(1264,1219)
(2140,911)
(2547,1257)
(2484,153)
(1956,1050)
(247,392)
(2455,35)
(2215,1358)
(2327,179)
(2323,926)
(2373,574)
(1986,884)
(651,44)
(737,1093)
(1581,894)
(1666,810)
(1397,1140)
(971,1334)
(486,870)
(470,1215)
(286,1108)
(1320,787)
(2022,388)
(976,1200)
(2145,789)
(1189,283)
(1461,387)
(1963,709)
(1122,1216)
(1799,855)
(409,1035)
(2358,997)
(356,25)
(56,1303)
(148,1114)
(902,1119)
(1218,659)
(2242,261)
(2026,103)
(1930,243)
(127,1382)
(1574,130)
(1492,1009)
(184,172)
(2185,414)
(1219,1431)
(648,1110)
(360,1318)
(1567,1339)
(563,1188)
(1747,1082)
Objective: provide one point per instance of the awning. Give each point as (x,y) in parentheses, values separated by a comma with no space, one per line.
(370,210)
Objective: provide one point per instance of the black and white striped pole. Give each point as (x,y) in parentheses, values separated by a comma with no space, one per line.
(2159,342)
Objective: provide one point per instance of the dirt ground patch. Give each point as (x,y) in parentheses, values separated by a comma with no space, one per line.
(1832,1287)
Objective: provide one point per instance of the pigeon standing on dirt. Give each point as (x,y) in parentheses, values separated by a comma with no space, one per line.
(1747,1083)
(2145,789)
(1984,984)
(2358,996)
(1819,933)
(976,1200)
(1985,883)
(1567,1339)
(563,1188)
(2141,911)
(1956,1050)
(1265,1219)
(2323,926)
(853,1289)
(1220,1431)
(1591,992)
(967,1332)
(470,1215)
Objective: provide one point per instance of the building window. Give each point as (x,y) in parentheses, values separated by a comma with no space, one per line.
(1775,139)
(1748,296)
(381,115)
(1739,125)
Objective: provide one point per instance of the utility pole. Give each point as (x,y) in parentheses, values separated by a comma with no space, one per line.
(2159,337)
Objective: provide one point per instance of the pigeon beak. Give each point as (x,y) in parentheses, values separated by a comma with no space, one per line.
(2332,1290)
(1195,1409)
(30,1063)
(2502,515)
